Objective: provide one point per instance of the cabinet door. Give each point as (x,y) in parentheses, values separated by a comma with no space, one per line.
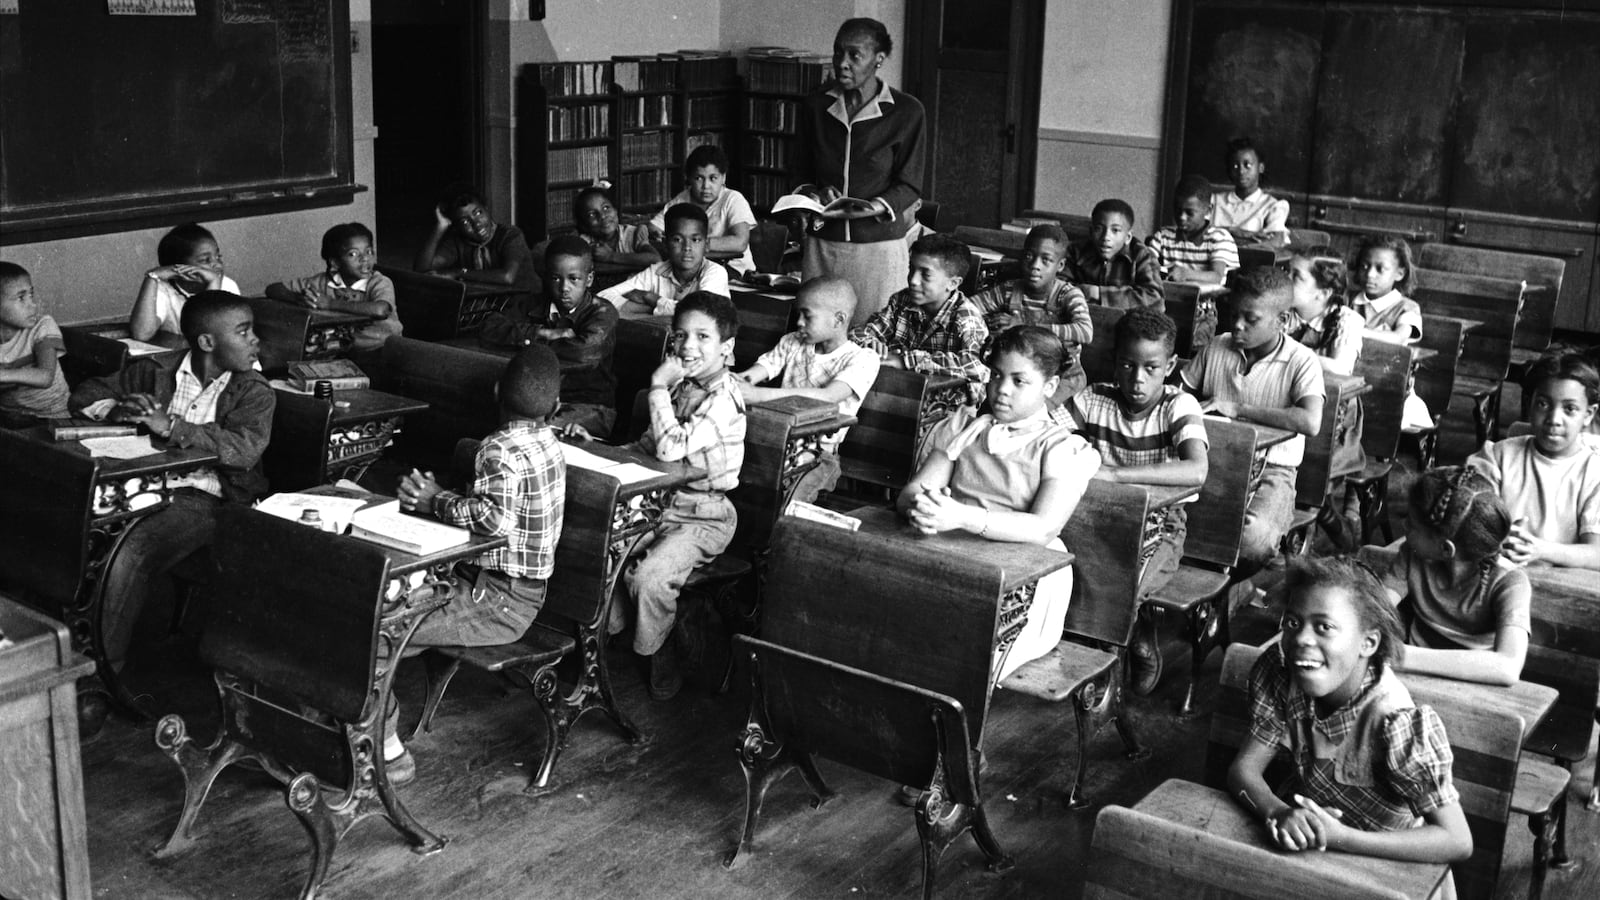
(1385,103)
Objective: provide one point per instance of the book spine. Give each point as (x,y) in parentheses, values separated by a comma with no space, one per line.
(377,538)
(79,432)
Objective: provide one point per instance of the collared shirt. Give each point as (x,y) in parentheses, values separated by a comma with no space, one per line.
(702,425)
(373,289)
(1409,756)
(659,279)
(1174,249)
(1065,311)
(170,298)
(1287,375)
(505,246)
(799,365)
(631,237)
(1129,278)
(945,341)
(1340,354)
(196,404)
(1260,212)
(1393,311)
(587,375)
(519,492)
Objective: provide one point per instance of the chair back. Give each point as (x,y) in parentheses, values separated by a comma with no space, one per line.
(1319,466)
(44,519)
(1309,237)
(1253,255)
(429,307)
(1076,226)
(768,240)
(641,345)
(308,630)
(1216,518)
(1105,535)
(879,725)
(1099,356)
(457,384)
(1493,302)
(577,590)
(886,605)
(90,353)
(882,446)
(283,329)
(1386,367)
(763,319)
(1544,274)
(1564,653)
(1487,744)
(1435,379)
(1007,243)
(1196,316)
(297,456)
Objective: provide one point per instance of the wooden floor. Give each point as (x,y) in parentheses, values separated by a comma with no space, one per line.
(652,821)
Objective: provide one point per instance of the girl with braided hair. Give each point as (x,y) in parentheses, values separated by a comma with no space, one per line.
(1464,605)
(1323,318)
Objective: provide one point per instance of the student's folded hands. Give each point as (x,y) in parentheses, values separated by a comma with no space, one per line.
(1306,826)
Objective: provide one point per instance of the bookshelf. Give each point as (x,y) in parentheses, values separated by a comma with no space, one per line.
(572,141)
(711,106)
(775,81)
(650,139)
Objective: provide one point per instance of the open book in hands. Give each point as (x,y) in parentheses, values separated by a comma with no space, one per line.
(841,208)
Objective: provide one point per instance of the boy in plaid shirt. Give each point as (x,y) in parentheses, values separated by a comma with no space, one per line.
(931,326)
(1041,297)
(1147,432)
(519,492)
(1193,249)
(696,417)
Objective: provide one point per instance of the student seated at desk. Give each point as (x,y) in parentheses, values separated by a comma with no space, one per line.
(1384,275)
(1465,606)
(349,282)
(209,399)
(1323,318)
(930,326)
(1370,770)
(1014,473)
(728,215)
(594,214)
(188,262)
(578,327)
(696,417)
(817,360)
(1256,373)
(1550,479)
(467,244)
(1249,213)
(31,384)
(1147,432)
(1041,297)
(1192,249)
(519,491)
(1111,266)
(656,290)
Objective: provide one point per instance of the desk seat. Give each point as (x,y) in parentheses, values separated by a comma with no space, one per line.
(1061,672)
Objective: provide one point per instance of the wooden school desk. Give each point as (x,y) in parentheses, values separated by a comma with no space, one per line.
(124,491)
(803,452)
(317,441)
(291,333)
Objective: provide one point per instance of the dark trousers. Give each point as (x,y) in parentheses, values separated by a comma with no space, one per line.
(149,551)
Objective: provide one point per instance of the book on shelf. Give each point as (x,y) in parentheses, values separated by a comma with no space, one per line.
(385,524)
(575,78)
(344,374)
(801,410)
(78,429)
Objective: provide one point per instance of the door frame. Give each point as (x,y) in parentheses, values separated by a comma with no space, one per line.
(1023,86)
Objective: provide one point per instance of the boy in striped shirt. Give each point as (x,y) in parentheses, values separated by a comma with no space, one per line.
(1193,249)
(1042,297)
(1147,432)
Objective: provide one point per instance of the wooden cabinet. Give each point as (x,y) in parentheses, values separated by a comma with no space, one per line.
(44,852)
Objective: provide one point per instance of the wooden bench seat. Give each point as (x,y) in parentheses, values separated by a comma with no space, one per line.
(457,384)
(1486,352)
(882,448)
(1544,274)
(432,308)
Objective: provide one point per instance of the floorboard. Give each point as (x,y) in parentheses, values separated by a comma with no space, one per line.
(653,820)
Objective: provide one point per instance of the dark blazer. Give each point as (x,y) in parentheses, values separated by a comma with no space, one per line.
(885,159)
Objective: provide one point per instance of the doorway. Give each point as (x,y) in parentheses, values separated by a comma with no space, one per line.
(427,103)
(976,68)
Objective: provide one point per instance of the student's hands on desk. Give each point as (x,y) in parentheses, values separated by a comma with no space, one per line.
(142,409)
(417,490)
(1523,546)
(1306,826)
(935,511)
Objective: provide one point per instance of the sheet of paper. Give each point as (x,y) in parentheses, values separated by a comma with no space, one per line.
(796,201)
(120,447)
(335,511)
(629,473)
(583,459)
(99,409)
(141,348)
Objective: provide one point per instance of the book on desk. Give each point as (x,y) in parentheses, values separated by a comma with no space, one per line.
(385,524)
(343,374)
(78,429)
(802,410)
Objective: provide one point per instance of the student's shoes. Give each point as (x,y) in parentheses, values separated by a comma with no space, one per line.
(401,769)
(665,679)
(1144,660)
(94,706)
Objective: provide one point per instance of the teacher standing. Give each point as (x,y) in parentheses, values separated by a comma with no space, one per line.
(860,153)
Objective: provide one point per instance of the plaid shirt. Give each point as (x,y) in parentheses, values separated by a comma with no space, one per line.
(519,492)
(1403,755)
(196,404)
(702,425)
(1215,245)
(1064,311)
(1128,279)
(948,341)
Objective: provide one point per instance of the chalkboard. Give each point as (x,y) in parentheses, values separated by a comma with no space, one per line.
(1253,72)
(108,118)
(1528,130)
(1385,104)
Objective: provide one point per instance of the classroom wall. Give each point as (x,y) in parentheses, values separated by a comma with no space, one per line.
(95,278)
(1101,103)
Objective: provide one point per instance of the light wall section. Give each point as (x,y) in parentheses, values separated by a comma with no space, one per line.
(93,279)
(1102,96)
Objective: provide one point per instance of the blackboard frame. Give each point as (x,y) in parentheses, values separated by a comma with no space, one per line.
(20,224)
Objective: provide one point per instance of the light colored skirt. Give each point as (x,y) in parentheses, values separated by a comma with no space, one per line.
(1046,618)
(875,270)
